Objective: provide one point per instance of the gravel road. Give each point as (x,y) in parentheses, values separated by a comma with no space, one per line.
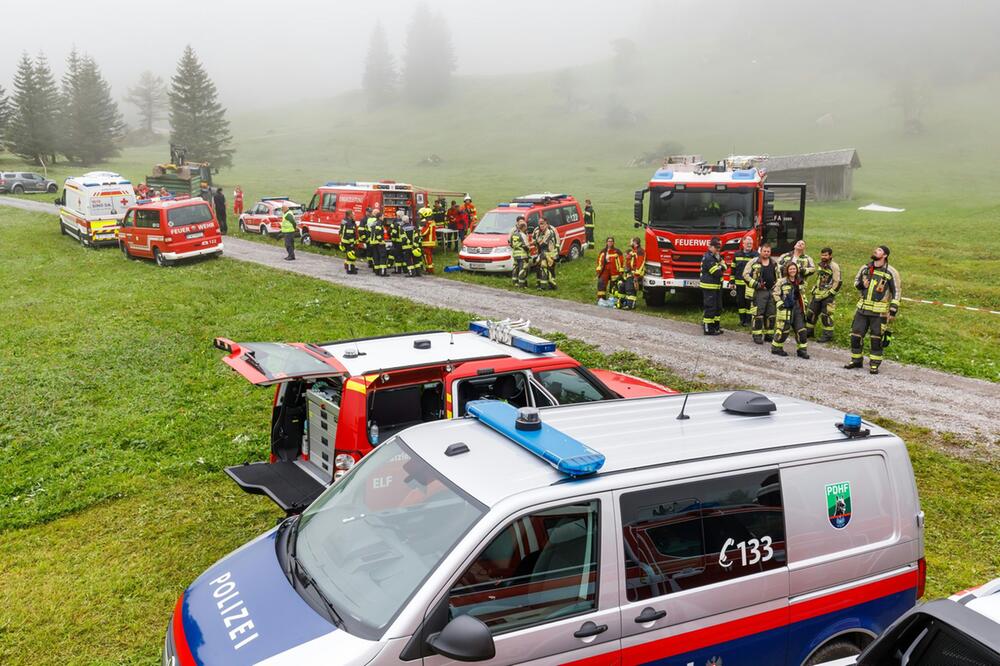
(936,400)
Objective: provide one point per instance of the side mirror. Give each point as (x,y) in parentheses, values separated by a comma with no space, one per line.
(464,639)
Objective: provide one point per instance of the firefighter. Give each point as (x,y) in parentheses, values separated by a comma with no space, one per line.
(741,259)
(520,244)
(631,279)
(349,242)
(798,254)
(547,242)
(760,275)
(288,231)
(428,238)
(610,264)
(439,212)
(712,268)
(470,217)
(409,249)
(238,201)
(879,288)
(452,215)
(588,222)
(394,246)
(363,238)
(823,296)
(791,312)
(378,255)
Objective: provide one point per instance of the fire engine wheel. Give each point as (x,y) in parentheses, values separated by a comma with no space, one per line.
(158,257)
(306,239)
(837,649)
(655,297)
(124,248)
(575,251)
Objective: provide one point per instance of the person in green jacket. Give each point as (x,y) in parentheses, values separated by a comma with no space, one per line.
(288,230)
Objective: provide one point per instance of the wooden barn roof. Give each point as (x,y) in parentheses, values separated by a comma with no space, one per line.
(846,157)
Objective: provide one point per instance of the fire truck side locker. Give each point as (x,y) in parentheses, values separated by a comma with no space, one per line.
(321,432)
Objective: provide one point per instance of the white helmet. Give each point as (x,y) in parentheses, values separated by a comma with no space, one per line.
(468,197)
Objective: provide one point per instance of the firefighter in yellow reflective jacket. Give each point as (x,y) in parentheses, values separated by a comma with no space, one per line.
(377,237)
(712,268)
(547,242)
(761,274)
(428,238)
(741,258)
(788,299)
(824,294)
(349,242)
(880,289)
(630,282)
(520,242)
(410,251)
(798,254)
(610,264)
(288,230)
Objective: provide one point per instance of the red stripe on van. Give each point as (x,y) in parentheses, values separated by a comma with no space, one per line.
(184,656)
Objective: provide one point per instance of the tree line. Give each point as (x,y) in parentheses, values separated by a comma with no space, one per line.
(79,119)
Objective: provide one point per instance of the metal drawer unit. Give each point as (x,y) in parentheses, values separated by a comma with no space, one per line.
(323,415)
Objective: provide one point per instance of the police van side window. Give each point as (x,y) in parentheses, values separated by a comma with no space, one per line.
(684,536)
(540,568)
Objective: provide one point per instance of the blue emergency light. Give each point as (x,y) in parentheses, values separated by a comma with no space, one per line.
(523,341)
(570,456)
(285,198)
(744,174)
(663,174)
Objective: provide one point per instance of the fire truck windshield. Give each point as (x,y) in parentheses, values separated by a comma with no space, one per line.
(698,209)
(497,223)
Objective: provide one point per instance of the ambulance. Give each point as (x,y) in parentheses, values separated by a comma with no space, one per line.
(320,223)
(337,401)
(487,248)
(92,206)
(723,528)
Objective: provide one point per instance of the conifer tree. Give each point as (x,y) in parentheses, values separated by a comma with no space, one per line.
(5,112)
(90,123)
(379,79)
(429,58)
(149,96)
(31,130)
(197,119)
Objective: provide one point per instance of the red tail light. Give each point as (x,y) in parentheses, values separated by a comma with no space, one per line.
(921,577)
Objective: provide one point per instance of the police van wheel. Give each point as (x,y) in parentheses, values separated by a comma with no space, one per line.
(575,251)
(160,260)
(306,239)
(837,649)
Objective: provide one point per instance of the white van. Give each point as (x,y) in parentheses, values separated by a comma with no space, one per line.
(92,206)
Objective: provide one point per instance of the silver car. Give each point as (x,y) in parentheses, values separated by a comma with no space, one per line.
(24,182)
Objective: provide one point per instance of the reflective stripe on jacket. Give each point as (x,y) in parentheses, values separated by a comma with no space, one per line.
(882,291)
(712,268)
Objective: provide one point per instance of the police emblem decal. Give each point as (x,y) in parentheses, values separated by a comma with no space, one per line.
(714,661)
(838,504)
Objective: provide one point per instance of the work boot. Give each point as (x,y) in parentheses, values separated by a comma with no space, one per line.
(872,369)
(826,337)
(802,353)
(706,329)
(758,339)
(854,364)
(778,351)
(768,338)
(289,258)
(810,332)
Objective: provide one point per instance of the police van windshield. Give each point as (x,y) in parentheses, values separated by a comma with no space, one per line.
(373,538)
(497,223)
(708,210)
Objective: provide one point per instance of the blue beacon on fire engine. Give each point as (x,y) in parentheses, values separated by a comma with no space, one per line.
(525,428)
(523,341)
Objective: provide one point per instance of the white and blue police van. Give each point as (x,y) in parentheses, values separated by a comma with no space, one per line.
(712,528)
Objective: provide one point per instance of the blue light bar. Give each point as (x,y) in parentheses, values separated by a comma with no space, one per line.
(570,456)
(744,174)
(523,341)
(274,199)
(663,174)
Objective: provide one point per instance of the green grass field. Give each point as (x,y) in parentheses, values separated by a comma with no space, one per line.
(119,417)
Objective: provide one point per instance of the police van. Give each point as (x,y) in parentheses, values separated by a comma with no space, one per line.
(92,206)
(713,528)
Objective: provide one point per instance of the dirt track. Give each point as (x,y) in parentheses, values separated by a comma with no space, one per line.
(940,401)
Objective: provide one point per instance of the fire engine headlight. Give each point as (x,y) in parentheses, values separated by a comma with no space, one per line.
(501,250)
(653,271)
(343,461)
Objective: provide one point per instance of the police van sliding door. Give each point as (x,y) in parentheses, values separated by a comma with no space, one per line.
(705,576)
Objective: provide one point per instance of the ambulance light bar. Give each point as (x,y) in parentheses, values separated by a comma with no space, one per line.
(336,183)
(525,428)
(513,333)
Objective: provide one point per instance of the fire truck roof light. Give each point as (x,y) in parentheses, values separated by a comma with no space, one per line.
(663,174)
(570,456)
(284,198)
(505,335)
(335,183)
(744,174)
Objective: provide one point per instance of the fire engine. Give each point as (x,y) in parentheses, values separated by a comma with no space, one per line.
(337,401)
(690,201)
(321,221)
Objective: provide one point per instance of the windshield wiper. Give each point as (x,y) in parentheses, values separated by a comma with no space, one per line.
(297,572)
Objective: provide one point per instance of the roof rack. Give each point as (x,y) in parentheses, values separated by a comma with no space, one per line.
(513,332)
(284,198)
(525,428)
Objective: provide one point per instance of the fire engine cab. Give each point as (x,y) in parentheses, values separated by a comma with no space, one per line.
(335,402)
(321,221)
(487,248)
(690,201)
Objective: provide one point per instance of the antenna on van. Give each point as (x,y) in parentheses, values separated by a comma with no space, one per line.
(451,338)
(682,416)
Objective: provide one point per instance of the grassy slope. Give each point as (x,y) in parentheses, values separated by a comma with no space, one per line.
(121,418)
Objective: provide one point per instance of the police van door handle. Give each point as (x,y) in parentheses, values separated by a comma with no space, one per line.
(650,614)
(590,629)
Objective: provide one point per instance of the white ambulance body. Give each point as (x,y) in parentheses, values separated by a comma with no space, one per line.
(93,205)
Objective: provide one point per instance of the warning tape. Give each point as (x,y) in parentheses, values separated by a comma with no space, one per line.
(950,305)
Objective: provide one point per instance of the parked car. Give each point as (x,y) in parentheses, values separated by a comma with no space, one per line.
(26,182)
(264,218)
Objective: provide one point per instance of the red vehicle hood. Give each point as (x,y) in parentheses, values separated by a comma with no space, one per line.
(628,386)
(485,240)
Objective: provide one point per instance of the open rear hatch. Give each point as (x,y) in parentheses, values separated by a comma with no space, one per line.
(263,364)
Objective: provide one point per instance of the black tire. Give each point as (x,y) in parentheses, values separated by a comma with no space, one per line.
(305,237)
(262,230)
(52,188)
(243,227)
(17,189)
(654,296)
(575,251)
(83,239)
(62,228)
(158,258)
(835,649)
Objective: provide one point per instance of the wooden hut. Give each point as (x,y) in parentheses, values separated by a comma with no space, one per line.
(828,175)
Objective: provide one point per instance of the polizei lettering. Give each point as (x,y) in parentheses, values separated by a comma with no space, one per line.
(234,613)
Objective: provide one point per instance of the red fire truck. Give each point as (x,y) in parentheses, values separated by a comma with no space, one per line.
(337,401)
(691,201)
(321,221)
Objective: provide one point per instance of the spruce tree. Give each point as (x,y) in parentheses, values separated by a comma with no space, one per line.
(429,58)
(31,130)
(379,79)
(149,96)
(197,119)
(5,112)
(89,121)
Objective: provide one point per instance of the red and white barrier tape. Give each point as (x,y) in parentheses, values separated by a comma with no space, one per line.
(951,305)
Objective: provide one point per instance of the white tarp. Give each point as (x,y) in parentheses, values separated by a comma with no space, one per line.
(879,208)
